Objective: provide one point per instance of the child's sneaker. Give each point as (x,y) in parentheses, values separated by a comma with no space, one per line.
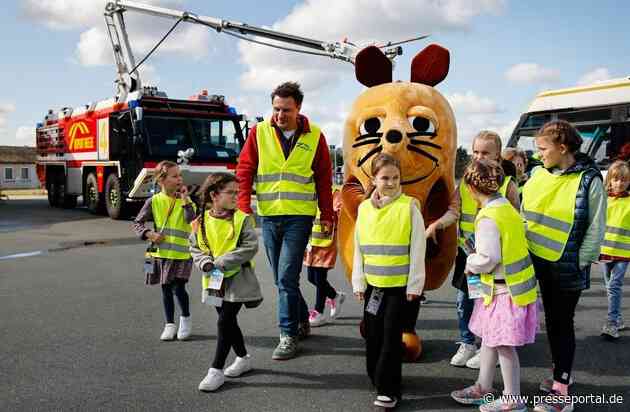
(610,331)
(547,384)
(335,305)
(621,326)
(317,319)
(213,380)
(185,328)
(169,332)
(474,395)
(387,402)
(286,349)
(555,402)
(464,353)
(499,405)
(239,367)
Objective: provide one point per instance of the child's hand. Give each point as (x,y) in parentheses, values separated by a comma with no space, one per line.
(412,297)
(183,193)
(155,237)
(326,227)
(431,232)
(359,296)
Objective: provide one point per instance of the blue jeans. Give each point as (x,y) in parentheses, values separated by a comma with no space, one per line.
(465,307)
(613,277)
(285,239)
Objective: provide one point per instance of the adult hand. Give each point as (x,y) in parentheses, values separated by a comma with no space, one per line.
(326,227)
(411,297)
(359,296)
(431,232)
(155,237)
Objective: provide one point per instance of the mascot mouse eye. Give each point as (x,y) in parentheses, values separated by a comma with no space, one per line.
(370,126)
(422,127)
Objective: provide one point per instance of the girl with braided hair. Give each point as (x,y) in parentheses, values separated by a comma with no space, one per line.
(505,316)
(225,243)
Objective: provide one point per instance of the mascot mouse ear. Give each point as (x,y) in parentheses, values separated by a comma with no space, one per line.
(430,66)
(372,67)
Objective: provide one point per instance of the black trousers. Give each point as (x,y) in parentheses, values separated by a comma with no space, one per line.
(229,334)
(177,286)
(559,312)
(383,342)
(323,289)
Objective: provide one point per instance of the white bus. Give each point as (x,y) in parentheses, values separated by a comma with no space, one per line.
(600,112)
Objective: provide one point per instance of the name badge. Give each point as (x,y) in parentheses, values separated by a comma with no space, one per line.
(474,287)
(215,279)
(148,264)
(375,301)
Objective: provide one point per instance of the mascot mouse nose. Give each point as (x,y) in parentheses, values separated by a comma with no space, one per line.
(394,136)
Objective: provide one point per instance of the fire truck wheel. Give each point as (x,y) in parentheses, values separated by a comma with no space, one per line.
(92,199)
(53,199)
(114,200)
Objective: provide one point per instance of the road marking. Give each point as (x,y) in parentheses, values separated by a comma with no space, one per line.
(21,255)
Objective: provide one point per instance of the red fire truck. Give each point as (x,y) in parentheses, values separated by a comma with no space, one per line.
(105,151)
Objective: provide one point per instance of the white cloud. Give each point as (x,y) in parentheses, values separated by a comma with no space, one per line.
(469,102)
(597,75)
(25,135)
(531,73)
(5,109)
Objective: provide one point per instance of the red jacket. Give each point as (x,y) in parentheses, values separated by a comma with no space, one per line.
(247,169)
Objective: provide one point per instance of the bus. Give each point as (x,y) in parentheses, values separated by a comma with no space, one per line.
(600,112)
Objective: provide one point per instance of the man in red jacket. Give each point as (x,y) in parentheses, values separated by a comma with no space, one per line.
(288,159)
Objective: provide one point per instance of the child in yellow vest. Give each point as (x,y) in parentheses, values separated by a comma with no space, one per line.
(388,270)
(615,251)
(319,258)
(224,244)
(171,211)
(505,314)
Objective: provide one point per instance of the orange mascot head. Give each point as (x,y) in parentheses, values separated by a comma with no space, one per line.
(413,122)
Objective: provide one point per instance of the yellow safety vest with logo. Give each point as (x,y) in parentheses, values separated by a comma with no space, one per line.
(518,269)
(469,209)
(549,210)
(384,242)
(318,238)
(176,229)
(222,236)
(617,236)
(285,186)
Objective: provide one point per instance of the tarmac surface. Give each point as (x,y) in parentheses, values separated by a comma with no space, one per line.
(80,333)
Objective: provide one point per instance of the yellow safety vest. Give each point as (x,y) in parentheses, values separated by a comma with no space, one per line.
(518,269)
(222,236)
(285,186)
(384,242)
(176,230)
(549,209)
(617,237)
(318,238)
(469,209)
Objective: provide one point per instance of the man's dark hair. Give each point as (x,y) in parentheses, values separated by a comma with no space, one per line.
(289,89)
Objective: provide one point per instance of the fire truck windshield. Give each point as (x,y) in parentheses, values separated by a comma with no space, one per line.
(212,139)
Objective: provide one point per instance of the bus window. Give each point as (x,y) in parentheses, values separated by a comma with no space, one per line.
(583,116)
(536,121)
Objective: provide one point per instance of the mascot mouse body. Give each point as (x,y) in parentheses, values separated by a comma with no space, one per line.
(413,122)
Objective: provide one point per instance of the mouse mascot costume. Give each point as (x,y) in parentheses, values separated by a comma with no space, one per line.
(413,122)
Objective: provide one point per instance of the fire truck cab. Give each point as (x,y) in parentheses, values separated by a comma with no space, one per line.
(106,151)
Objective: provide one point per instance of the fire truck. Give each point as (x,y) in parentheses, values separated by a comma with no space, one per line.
(105,151)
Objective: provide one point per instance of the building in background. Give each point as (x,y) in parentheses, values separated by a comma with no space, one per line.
(17,168)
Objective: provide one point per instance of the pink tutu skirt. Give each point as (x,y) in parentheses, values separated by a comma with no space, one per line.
(503,323)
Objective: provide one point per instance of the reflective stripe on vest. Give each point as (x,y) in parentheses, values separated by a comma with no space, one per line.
(176,231)
(318,238)
(222,236)
(518,269)
(285,186)
(384,240)
(469,209)
(617,237)
(549,209)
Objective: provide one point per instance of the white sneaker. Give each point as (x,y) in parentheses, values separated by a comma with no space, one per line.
(185,328)
(475,361)
(335,305)
(213,380)
(317,319)
(238,367)
(169,332)
(463,354)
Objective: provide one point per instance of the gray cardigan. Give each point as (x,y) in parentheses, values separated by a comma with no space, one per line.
(243,286)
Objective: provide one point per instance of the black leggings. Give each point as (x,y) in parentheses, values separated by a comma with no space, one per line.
(559,312)
(179,287)
(229,334)
(319,278)
(383,342)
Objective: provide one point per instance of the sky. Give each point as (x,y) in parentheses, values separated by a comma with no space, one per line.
(56,53)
